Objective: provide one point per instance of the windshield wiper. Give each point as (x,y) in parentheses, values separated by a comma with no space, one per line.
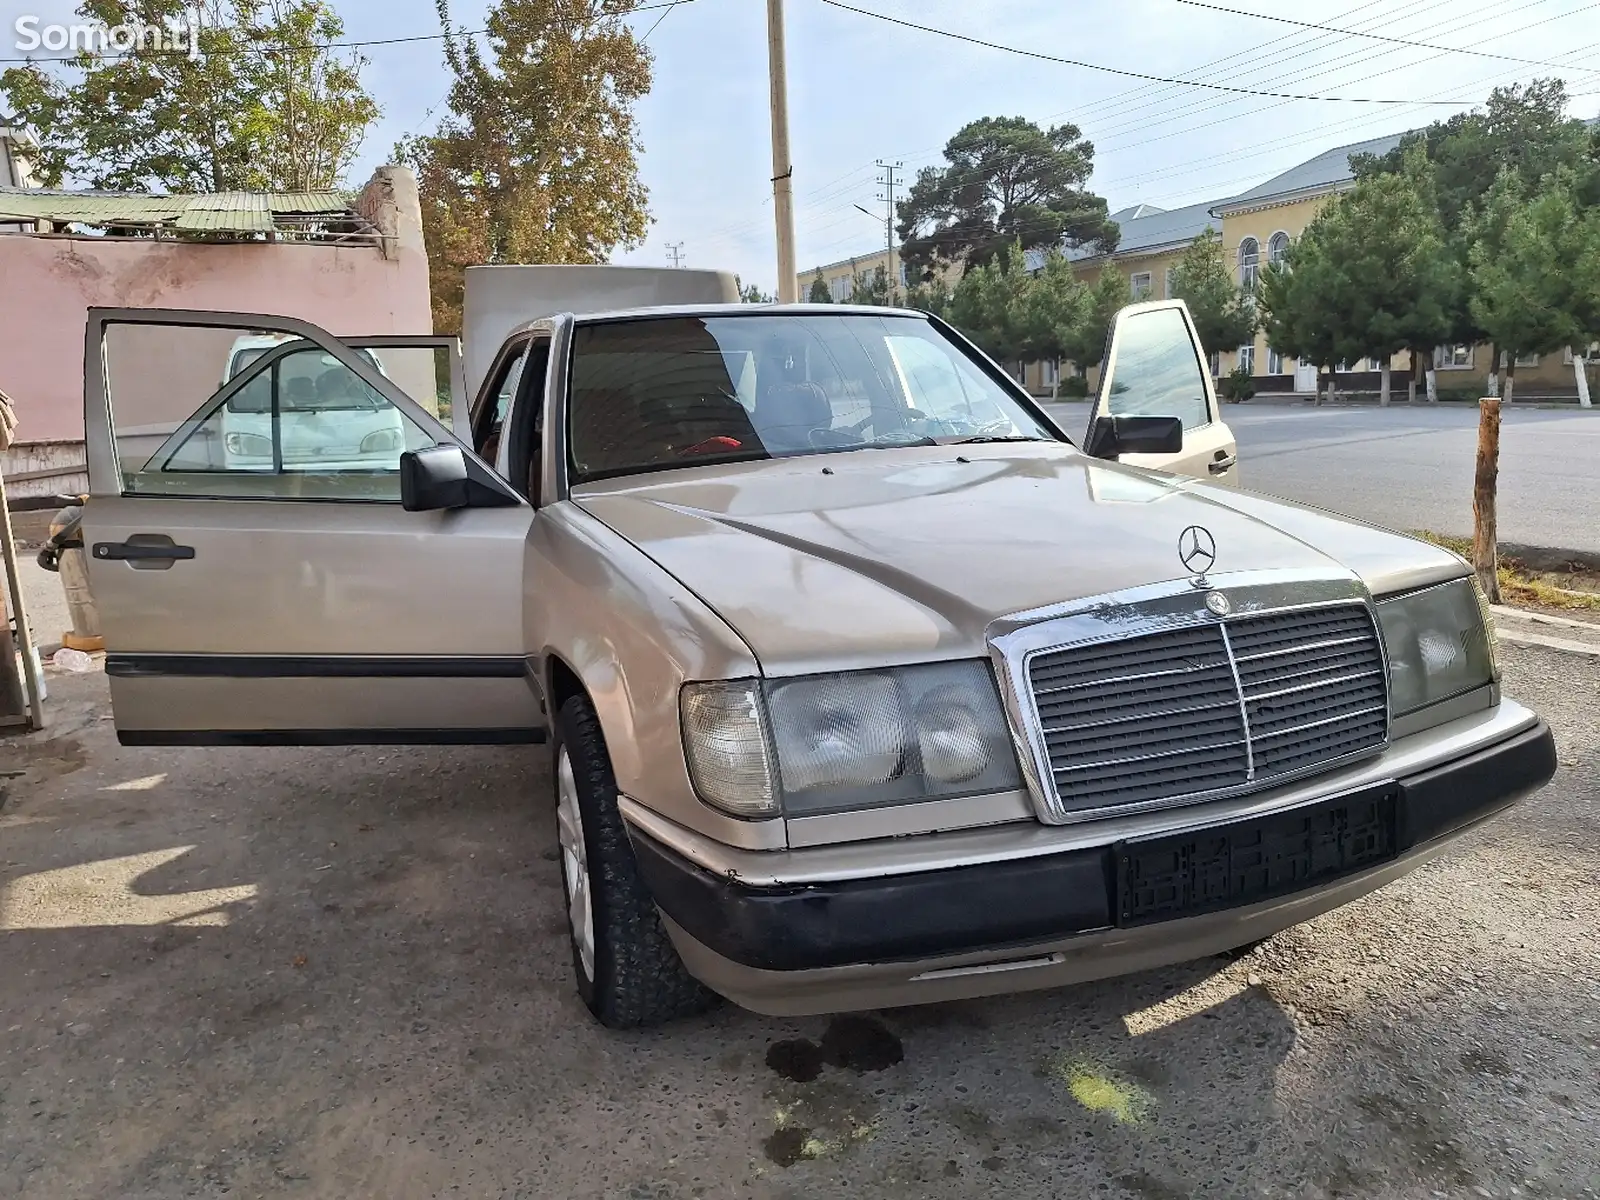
(995,437)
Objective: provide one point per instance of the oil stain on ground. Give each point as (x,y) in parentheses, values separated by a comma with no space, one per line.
(851,1043)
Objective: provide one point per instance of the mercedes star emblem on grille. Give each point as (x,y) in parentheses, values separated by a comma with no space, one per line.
(1197,548)
(1217,604)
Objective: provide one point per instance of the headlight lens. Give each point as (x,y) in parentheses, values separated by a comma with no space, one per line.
(382,440)
(852,740)
(1438,643)
(251,444)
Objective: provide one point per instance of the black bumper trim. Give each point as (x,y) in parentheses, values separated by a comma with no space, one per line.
(996,905)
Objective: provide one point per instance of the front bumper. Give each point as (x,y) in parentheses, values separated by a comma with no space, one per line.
(1042,920)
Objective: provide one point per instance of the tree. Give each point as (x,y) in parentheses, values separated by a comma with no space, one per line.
(872,287)
(1529,299)
(1523,130)
(1386,281)
(1526,293)
(1292,296)
(1006,181)
(265,106)
(820,293)
(1054,307)
(1224,316)
(537,159)
(751,294)
(1105,296)
(931,297)
(988,305)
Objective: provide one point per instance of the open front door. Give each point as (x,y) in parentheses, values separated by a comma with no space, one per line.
(1155,367)
(258,578)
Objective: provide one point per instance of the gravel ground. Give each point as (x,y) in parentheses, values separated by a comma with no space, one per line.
(329,973)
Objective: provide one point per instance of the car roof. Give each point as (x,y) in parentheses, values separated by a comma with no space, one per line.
(725,310)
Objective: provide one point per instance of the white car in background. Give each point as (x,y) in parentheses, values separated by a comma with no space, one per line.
(329,417)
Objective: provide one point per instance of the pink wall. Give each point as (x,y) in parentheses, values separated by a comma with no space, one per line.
(48,283)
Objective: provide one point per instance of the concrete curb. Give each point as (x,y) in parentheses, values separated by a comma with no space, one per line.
(1590,649)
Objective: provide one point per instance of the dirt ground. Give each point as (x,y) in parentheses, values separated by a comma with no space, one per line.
(327,973)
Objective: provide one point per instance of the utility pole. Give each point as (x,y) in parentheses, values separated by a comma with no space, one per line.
(782,167)
(675,253)
(888,181)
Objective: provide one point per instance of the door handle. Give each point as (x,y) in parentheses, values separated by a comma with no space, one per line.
(1223,463)
(144,550)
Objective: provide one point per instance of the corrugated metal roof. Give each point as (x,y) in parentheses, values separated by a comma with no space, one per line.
(216,212)
(1327,169)
(225,220)
(306,202)
(1149,227)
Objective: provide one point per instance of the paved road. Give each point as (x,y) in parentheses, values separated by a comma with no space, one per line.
(1412,468)
(330,973)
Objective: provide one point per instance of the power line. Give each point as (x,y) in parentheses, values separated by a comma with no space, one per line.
(1377,37)
(285,48)
(675,253)
(1089,66)
(672,5)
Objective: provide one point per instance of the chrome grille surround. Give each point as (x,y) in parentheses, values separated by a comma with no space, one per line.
(1203,706)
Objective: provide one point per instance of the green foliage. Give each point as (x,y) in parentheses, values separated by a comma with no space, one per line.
(1074,387)
(537,160)
(1017,315)
(872,288)
(1521,130)
(262,108)
(1527,259)
(1525,130)
(819,293)
(1108,293)
(749,293)
(1053,307)
(1006,181)
(1371,275)
(933,297)
(1238,384)
(988,305)
(1223,316)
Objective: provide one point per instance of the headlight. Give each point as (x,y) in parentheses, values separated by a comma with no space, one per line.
(381,440)
(251,444)
(853,740)
(1438,643)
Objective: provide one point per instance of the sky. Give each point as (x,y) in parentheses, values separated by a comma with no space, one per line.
(862,89)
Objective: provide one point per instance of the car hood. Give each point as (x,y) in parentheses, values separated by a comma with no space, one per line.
(835,561)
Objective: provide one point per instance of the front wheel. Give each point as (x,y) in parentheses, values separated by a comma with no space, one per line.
(628,972)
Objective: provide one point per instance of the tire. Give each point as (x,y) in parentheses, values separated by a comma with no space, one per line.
(628,972)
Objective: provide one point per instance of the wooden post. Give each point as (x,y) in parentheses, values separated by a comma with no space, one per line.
(1485,555)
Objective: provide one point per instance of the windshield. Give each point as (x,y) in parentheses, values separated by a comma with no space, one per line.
(664,392)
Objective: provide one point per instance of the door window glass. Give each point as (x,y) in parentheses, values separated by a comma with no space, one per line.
(296,422)
(1157,371)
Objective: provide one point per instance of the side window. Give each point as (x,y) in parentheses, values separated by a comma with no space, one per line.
(1157,372)
(302,425)
(496,403)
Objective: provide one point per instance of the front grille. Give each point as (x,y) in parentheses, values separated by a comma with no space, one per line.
(1209,707)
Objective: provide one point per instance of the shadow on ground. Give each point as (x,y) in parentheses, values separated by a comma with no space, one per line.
(345,973)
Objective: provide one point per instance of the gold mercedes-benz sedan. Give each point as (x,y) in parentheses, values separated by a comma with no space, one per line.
(863,684)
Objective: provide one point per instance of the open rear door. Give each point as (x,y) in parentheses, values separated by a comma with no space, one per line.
(1155,367)
(258,578)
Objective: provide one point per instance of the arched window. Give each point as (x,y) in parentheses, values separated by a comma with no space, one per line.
(1249,263)
(1277,247)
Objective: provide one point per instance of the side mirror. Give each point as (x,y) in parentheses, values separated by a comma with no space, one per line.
(1111,436)
(434,478)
